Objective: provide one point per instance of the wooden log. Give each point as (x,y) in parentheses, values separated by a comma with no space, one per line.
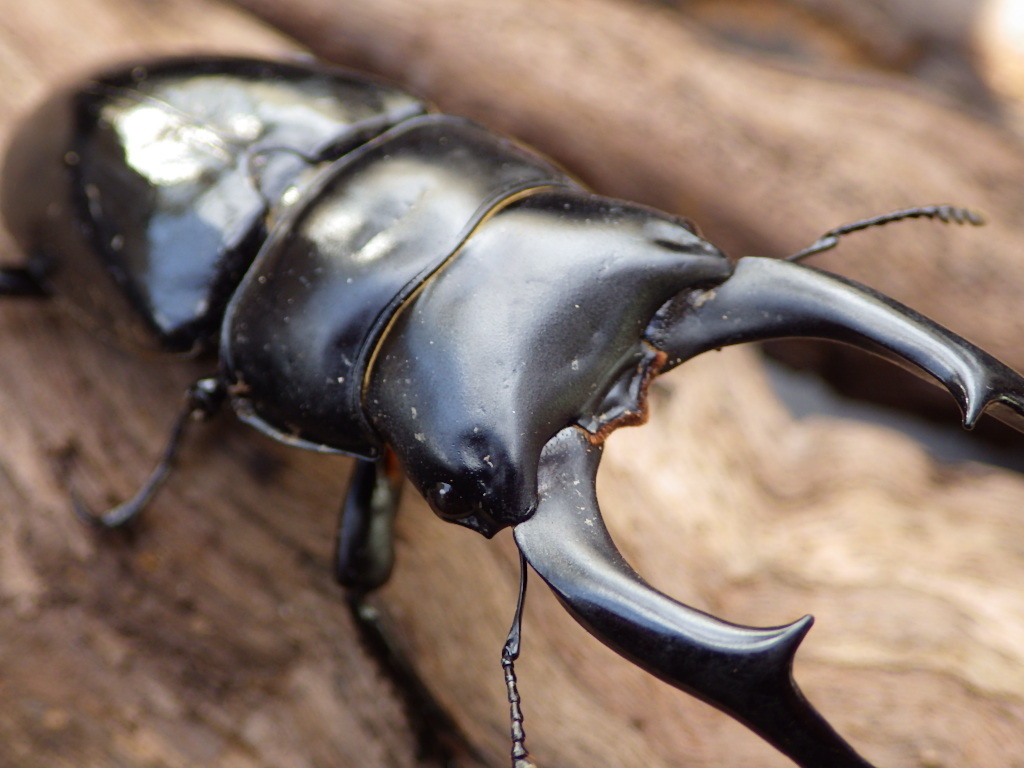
(214,635)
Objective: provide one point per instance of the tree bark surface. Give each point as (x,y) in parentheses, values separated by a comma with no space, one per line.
(213,635)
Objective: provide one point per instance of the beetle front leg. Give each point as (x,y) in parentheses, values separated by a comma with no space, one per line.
(363,561)
(365,552)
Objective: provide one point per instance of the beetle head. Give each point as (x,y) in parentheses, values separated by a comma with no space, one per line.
(537,323)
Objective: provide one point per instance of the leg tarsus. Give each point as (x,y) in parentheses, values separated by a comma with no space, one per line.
(363,561)
(203,399)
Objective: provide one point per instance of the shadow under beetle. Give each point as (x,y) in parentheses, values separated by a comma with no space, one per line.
(408,288)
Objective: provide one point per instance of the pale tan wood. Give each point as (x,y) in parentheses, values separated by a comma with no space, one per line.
(215,637)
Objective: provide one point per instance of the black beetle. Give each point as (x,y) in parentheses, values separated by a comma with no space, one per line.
(410,289)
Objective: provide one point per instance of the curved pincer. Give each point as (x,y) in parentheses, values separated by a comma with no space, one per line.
(743,671)
(769,299)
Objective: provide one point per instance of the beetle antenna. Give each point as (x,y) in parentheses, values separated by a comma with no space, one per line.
(202,400)
(948,214)
(520,756)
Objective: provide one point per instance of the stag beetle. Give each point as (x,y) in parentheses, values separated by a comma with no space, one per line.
(405,287)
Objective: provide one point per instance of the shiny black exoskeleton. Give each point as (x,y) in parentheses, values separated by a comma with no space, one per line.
(413,290)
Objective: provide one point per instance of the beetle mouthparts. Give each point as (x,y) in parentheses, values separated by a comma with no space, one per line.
(743,671)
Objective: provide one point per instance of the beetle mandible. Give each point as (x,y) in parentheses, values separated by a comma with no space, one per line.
(410,289)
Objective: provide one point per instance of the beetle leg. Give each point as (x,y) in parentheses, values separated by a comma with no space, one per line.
(363,560)
(20,282)
(365,551)
(202,400)
(744,671)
